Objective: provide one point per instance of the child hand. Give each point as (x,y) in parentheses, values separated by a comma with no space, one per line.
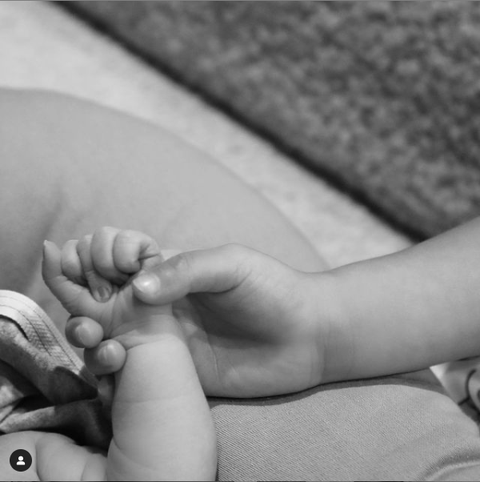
(162,427)
(92,278)
(251,322)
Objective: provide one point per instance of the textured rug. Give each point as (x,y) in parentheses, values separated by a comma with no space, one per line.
(381,98)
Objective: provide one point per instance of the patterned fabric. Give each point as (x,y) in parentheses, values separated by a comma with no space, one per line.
(43,383)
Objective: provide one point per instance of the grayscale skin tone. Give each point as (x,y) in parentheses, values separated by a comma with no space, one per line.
(391,314)
(273,329)
(162,427)
(70,166)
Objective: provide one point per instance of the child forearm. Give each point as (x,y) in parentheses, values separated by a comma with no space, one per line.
(159,408)
(412,309)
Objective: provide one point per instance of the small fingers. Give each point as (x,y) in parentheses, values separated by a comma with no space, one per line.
(102,243)
(70,294)
(100,288)
(116,254)
(83,332)
(132,250)
(108,357)
(71,265)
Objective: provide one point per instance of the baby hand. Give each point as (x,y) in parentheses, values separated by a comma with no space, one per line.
(254,326)
(93,278)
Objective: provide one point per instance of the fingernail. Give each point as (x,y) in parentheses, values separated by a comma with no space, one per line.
(103,294)
(81,335)
(147,283)
(105,355)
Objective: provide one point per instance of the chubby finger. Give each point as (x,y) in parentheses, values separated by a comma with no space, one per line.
(71,265)
(100,288)
(102,244)
(72,295)
(207,270)
(83,332)
(106,358)
(132,250)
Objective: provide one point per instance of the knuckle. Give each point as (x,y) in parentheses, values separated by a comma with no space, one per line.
(239,259)
(128,236)
(235,252)
(84,243)
(70,266)
(180,262)
(71,244)
(105,230)
(103,235)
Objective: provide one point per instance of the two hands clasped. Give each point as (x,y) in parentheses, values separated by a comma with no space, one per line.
(233,322)
(226,322)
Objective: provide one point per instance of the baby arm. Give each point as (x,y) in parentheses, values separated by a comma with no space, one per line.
(162,427)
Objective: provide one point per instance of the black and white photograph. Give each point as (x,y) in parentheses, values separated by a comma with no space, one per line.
(239,240)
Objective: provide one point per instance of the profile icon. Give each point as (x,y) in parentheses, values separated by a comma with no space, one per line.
(20,460)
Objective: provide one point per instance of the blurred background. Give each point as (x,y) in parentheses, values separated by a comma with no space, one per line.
(358,120)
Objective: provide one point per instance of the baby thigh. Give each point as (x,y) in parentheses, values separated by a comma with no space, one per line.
(69,167)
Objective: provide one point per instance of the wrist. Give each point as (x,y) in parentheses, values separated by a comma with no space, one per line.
(333,333)
(154,329)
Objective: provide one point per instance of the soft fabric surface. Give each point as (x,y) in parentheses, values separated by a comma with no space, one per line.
(381,97)
(43,386)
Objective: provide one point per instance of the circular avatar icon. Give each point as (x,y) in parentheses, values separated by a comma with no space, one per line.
(20,460)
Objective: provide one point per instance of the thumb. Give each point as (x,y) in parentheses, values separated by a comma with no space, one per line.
(208,270)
